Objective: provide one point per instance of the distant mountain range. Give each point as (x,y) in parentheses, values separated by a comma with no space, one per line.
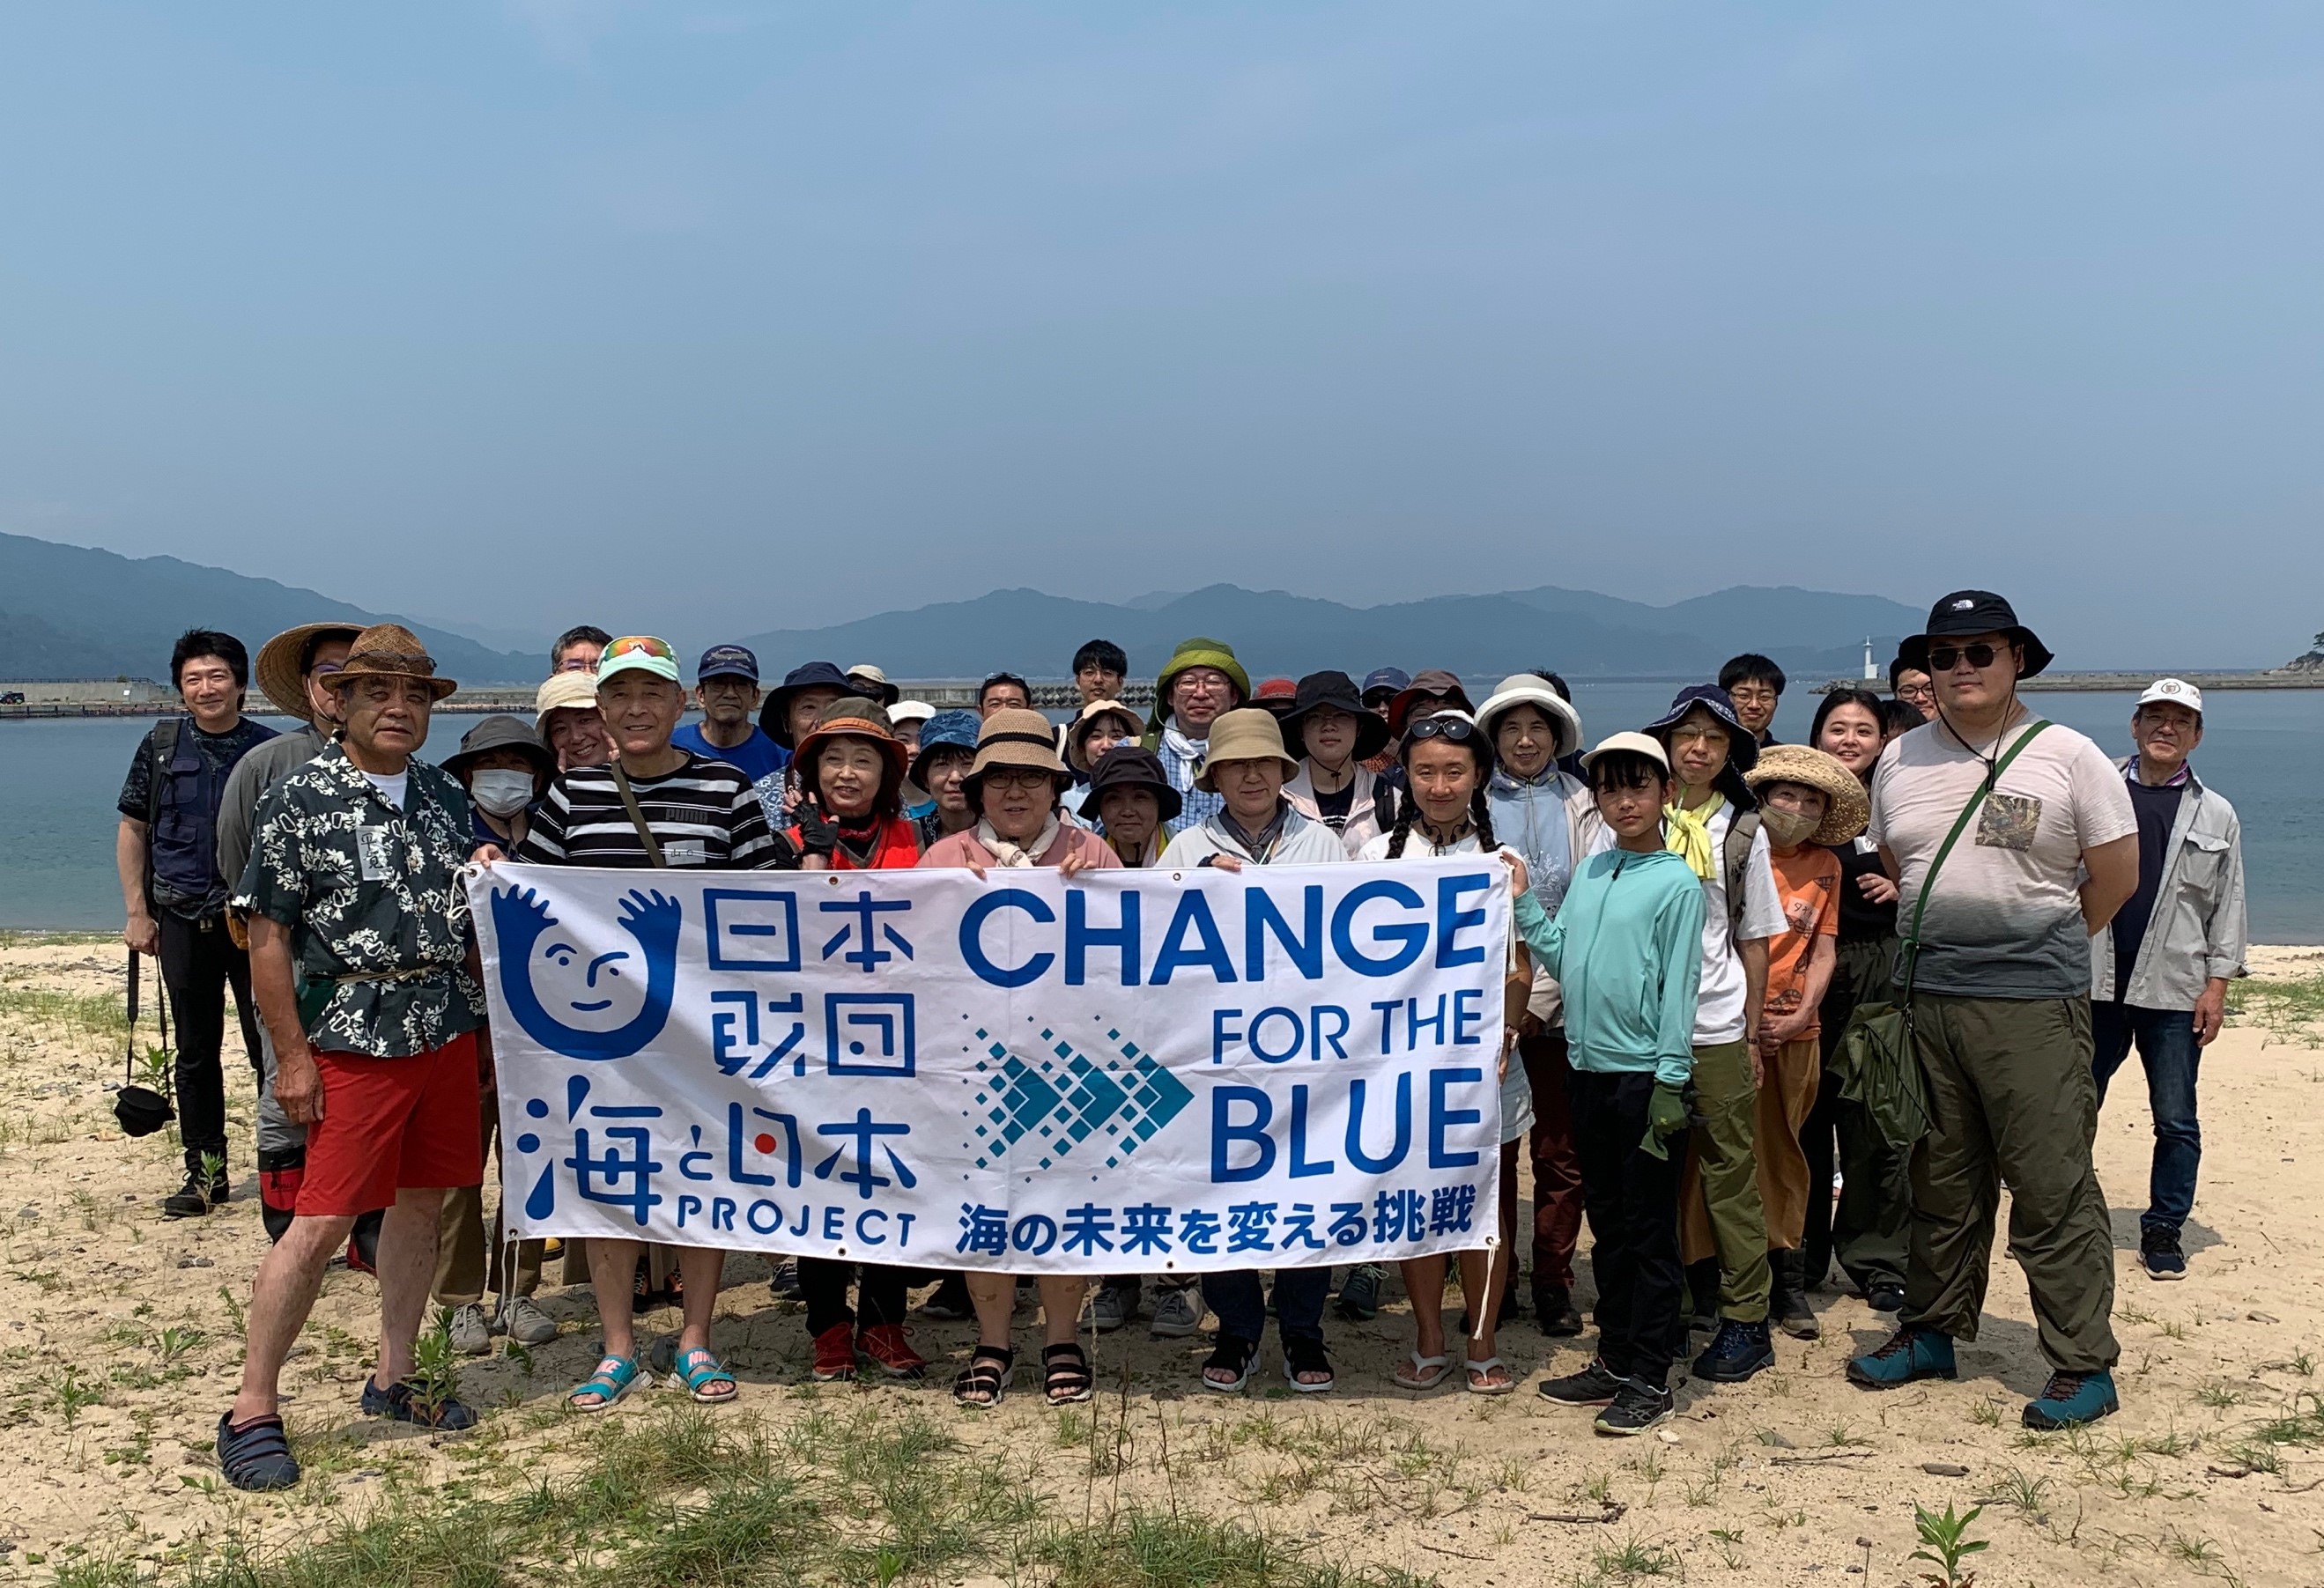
(70,612)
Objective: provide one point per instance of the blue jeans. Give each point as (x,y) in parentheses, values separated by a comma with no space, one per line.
(2167,1047)
(1242,1306)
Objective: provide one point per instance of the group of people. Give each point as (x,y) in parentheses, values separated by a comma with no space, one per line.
(1712,931)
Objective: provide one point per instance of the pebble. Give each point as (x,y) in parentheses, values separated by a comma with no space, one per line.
(194,1263)
(1945,1469)
(29,1210)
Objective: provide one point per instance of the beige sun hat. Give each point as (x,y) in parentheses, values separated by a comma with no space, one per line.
(1015,737)
(1531,689)
(564,692)
(1248,734)
(1636,744)
(1846,808)
(280,679)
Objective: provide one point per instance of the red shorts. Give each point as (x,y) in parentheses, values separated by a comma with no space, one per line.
(391,1123)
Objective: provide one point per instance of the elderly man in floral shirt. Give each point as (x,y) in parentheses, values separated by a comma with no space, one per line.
(363,975)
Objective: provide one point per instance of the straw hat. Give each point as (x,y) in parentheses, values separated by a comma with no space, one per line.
(851,717)
(1015,737)
(1249,734)
(280,679)
(390,650)
(1846,808)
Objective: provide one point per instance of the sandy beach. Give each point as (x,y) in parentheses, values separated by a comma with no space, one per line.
(121,1341)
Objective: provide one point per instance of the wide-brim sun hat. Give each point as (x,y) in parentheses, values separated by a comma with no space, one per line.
(1337,691)
(1246,734)
(1966,614)
(1742,744)
(1198,652)
(1530,689)
(1132,766)
(1015,735)
(564,692)
(500,731)
(1078,736)
(946,731)
(851,717)
(1846,808)
(1433,681)
(1634,743)
(775,715)
(277,668)
(390,650)
(864,672)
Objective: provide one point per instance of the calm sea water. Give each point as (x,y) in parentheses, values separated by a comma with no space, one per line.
(2265,750)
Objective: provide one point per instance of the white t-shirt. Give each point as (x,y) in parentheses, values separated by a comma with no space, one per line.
(395,785)
(2005,920)
(1719,1009)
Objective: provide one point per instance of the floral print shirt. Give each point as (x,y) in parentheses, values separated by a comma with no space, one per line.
(374,903)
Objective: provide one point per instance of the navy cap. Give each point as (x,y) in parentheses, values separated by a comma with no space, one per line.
(1395,680)
(726,661)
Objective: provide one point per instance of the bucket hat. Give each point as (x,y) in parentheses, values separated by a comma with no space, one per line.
(1742,749)
(390,650)
(280,679)
(1846,808)
(1077,736)
(850,717)
(1393,680)
(500,732)
(1337,691)
(953,730)
(1968,613)
(1198,652)
(564,692)
(1530,689)
(1433,681)
(1636,744)
(1133,766)
(881,689)
(727,661)
(1248,734)
(1015,737)
(775,716)
(639,653)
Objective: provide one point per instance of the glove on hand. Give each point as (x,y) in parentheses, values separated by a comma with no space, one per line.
(817,836)
(1665,1117)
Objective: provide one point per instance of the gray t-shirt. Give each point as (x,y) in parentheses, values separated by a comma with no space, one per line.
(2005,920)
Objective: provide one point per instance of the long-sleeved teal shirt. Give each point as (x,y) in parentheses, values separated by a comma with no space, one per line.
(1627,948)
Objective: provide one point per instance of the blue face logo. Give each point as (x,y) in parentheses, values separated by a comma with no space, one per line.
(607,1005)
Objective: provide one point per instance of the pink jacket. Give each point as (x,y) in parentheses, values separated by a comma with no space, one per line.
(962,849)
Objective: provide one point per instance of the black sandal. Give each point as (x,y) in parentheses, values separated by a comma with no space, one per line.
(1307,1356)
(1066,1373)
(1231,1356)
(984,1384)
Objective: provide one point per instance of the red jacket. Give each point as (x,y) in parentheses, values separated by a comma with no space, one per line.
(899,848)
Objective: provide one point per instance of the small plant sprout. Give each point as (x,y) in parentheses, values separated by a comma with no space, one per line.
(435,1366)
(1945,1542)
(887,1565)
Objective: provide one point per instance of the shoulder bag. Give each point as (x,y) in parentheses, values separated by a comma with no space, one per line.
(140,1108)
(637,817)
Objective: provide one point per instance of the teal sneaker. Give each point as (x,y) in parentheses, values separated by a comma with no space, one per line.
(2070,1399)
(1912,1353)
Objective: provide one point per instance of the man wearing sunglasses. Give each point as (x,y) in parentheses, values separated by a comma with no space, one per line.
(1997,966)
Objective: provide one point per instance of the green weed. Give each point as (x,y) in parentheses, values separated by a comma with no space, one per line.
(1945,1542)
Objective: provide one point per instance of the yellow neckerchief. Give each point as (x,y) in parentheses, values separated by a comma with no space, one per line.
(1687,834)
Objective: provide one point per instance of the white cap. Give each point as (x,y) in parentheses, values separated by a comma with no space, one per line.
(2176,691)
(909,711)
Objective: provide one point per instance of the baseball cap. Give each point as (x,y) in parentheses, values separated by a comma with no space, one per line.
(2175,692)
(726,661)
(637,652)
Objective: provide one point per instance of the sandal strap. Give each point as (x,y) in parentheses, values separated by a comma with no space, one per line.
(1307,1356)
(1067,1361)
(1232,1353)
(262,1440)
(706,1368)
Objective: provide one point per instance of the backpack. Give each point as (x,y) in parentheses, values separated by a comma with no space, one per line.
(1733,854)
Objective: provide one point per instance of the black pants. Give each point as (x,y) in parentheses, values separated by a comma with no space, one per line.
(1241,1305)
(1866,1227)
(1631,1200)
(823,1284)
(198,963)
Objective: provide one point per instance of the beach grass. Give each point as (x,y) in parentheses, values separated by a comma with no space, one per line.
(2288,1009)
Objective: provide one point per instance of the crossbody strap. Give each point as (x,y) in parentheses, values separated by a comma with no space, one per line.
(638,816)
(1921,904)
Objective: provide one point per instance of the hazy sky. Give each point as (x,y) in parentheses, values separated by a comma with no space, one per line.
(715,315)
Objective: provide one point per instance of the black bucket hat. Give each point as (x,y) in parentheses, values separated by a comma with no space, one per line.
(502,733)
(1968,613)
(1337,691)
(775,716)
(1132,766)
(1742,746)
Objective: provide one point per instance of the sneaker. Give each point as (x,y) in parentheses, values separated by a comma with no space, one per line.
(2070,1399)
(1912,1353)
(951,1303)
(889,1346)
(785,1284)
(1595,1385)
(522,1320)
(1177,1312)
(471,1335)
(1886,1297)
(1738,1351)
(1104,1311)
(1554,1309)
(835,1353)
(197,1196)
(1359,1295)
(2158,1255)
(1637,1406)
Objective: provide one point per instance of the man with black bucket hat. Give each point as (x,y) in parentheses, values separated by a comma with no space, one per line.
(2013,841)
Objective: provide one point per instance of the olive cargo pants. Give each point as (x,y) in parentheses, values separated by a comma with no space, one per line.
(2011,1100)
(1719,1211)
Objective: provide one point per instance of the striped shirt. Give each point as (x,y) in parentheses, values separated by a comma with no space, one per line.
(704,814)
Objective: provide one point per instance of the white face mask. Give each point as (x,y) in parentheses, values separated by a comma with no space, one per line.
(501,792)
(1784,828)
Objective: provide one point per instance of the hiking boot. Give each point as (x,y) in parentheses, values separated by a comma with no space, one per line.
(1703,1296)
(1177,1312)
(522,1320)
(1738,1351)
(199,1194)
(1637,1406)
(1359,1294)
(887,1345)
(951,1302)
(471,1335)
(1595,1385)
(1552,1308)
(1912,1352)
(835,1353)
(1789,1304)
(1886,1297)
(2158,1255)
(2070,1399)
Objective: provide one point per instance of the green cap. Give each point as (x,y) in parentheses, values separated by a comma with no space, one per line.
(637,652)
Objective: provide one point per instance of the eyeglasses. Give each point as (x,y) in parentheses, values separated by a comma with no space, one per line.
(1942,658)
(1018,777)
(577,663)
(1916,692)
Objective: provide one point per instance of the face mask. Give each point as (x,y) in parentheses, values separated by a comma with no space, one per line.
(501,793)
(1784,828)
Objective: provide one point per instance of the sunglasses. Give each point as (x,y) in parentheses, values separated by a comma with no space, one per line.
(641,645)
(1452,730)
(1942,658)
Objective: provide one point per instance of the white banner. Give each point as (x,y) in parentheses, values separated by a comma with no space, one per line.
(1132,1072)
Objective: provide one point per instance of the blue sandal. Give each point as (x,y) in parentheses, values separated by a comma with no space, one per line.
(699,1370)
(256,1455)
(615,1377)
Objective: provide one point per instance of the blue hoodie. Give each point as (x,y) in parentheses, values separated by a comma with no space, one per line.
(1627,948)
